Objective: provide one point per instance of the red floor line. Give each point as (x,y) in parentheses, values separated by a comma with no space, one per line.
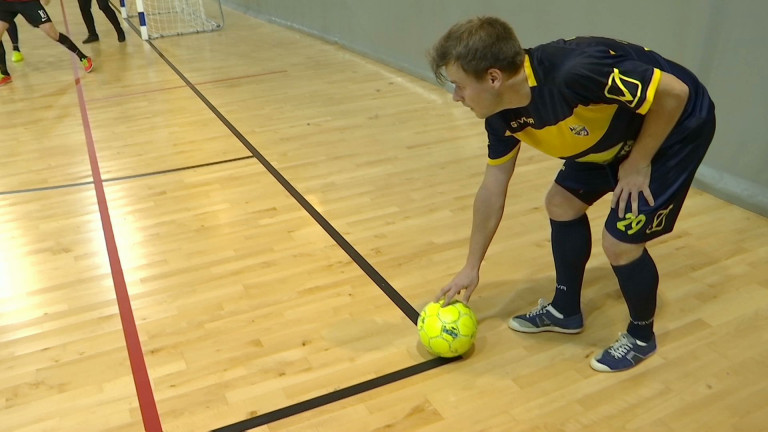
(146,398)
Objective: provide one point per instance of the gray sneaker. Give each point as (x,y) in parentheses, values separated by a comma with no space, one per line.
(543,319)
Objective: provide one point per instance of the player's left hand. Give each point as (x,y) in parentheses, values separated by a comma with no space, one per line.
(634,179)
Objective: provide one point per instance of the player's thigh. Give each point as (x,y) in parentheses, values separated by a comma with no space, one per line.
(562,205)
(577,186)
(7,15)
(673,171)
(34,13)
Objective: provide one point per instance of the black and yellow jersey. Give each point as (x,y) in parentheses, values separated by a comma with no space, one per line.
(589,96)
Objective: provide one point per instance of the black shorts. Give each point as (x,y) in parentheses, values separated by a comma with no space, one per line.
(672,171)
(32,11)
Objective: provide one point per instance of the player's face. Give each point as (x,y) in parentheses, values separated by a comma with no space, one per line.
(481,96)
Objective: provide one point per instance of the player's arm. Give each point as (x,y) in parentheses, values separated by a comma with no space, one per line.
(487,212)
(635,172)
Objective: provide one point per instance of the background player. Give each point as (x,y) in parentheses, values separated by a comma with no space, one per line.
(13,34)
(624,119)
(85,11)
(36,15)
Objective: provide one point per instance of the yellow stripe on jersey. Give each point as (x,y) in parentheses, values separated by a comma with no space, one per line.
(651,92)
(504,159)
(573,135)
(602,157)
(529,71)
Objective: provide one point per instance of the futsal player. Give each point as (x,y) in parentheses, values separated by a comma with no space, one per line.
(36,15)
(106,9)
(624,119)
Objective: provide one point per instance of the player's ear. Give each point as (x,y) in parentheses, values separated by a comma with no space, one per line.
(494,76)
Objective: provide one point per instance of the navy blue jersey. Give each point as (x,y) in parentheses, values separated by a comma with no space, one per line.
(589,96)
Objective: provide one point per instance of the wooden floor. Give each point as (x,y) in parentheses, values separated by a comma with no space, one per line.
(250,306)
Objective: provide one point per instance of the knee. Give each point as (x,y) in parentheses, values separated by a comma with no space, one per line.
(50,31)
(562,206)
(620,253)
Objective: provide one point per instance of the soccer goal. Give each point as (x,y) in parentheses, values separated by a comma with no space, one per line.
(158,18)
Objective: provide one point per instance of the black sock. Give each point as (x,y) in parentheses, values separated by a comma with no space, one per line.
(13,34)
(639,282)
(68,44)
(571,247)
(3,65)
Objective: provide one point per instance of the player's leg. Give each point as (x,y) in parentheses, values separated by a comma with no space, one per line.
(571,238)
(638,280)
(50,30)
(112,17)
(577,186)
(624,241)
(90,25)
(5,76)
(13,33)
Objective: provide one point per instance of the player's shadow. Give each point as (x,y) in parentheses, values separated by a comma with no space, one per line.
(499,300)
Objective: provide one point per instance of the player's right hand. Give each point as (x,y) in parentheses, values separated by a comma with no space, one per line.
(466,280)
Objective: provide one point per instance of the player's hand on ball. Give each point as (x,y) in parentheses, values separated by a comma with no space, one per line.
(466,280)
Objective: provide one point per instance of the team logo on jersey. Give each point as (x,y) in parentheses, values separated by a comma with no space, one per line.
(625,148)
(659,220)
(579,130)
(623,88)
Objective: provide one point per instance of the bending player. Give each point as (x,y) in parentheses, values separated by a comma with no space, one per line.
(624,119)
(36,15)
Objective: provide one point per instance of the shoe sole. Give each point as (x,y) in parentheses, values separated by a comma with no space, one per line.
(517,327)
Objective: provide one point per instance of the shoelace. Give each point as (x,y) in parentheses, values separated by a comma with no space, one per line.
(620,347)
(539,309)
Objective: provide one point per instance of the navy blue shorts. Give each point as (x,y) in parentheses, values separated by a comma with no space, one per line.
(32,11)
(672,171)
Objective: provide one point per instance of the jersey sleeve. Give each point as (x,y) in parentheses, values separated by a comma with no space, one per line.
(611,78)
(501,144)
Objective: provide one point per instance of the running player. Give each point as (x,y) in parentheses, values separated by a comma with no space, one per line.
(36,15)
(625,120)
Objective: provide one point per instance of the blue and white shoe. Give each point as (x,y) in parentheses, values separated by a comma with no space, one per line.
(624,354)
(545,318)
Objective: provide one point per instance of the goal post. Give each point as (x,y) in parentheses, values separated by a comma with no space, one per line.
(159,18)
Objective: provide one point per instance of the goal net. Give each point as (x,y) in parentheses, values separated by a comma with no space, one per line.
(158,18)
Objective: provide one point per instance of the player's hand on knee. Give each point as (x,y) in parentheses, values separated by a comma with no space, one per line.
(466,280)
(634,179)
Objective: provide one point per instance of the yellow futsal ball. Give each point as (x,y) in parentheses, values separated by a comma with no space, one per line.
(447,331)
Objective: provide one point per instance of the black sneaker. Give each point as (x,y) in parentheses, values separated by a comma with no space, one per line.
(120,35)
(91,38)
